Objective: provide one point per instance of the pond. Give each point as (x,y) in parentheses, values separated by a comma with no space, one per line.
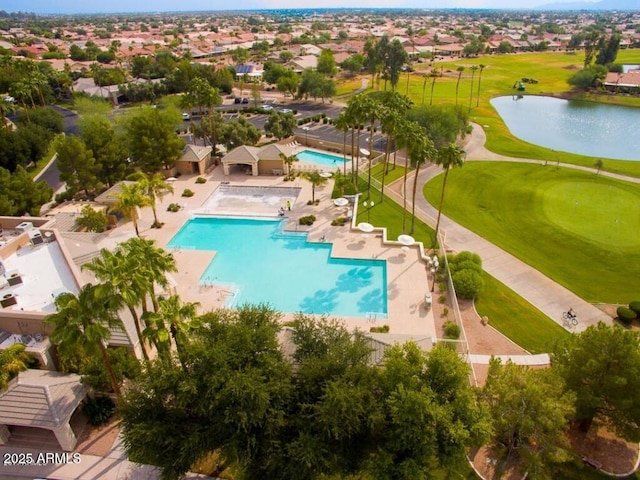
(584,128)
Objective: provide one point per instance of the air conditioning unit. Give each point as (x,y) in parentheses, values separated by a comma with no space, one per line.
(8,299)
(24,227)
(14,278)
(36,237)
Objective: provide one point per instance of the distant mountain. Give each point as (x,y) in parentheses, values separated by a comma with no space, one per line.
(602,5)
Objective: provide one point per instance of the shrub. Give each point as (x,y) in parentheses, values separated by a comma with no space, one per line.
(467,283)
(451,330)
(201,180)
(442,299)
(445,311)
(339,222)
(98,410)
(307,220)
(382,329)
(442,287)
(188,193)
(63,196)
(173,207)
(626,315)
(635,306)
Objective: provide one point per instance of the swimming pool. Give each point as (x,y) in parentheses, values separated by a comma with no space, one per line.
(320,158)
(261,263)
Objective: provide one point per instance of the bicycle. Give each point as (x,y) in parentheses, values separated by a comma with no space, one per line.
(570,319)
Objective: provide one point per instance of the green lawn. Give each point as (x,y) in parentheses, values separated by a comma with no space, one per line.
(516,318)
(551,69)
(394,173)
(578,228)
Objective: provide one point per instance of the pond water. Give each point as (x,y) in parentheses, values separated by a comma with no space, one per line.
(585,128)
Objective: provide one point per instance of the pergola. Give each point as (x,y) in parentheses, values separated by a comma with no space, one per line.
(42,399)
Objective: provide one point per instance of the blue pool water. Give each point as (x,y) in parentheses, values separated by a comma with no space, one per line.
(320,158)
(262,264)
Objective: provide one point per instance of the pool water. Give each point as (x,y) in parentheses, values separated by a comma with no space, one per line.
(320,158)
(262,264)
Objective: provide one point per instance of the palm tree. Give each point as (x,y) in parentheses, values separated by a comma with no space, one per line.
(473,74)
(355,111)
(390,121)
(424,86)
(154,187)
(128,282)
(316,180)
(153,262)
(85,321)
(448,156)
(460,69)
(130,199)
(178,317)
(481,67)
(407,136)
(342,125)
(420,149)
(13,360)
(371,110)
(434,75)
(288,160)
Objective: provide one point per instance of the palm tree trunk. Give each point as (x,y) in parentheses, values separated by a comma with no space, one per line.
(385,167)
(134,219)
(444,184)
(424,88)
(344,152)
(110,374)
(353,163)
(404,196)
(433,84)
(136,322)
(413,202)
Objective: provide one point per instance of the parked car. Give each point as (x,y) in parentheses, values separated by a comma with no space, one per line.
(266,108)
(286,110)
(237,100)
(245,100)
(186,116)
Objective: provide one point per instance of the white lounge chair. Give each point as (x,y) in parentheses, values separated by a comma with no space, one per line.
(428,299)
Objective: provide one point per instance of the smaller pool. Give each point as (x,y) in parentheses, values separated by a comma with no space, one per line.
(320,158)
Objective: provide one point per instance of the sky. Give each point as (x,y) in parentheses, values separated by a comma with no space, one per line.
(130,6)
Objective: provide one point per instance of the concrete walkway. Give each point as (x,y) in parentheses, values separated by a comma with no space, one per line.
(541,359)
(542,292)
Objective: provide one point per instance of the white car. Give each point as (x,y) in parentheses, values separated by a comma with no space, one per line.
(286,110)
(186,116)
(267,108)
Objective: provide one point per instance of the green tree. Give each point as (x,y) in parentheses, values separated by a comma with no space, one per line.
(280,125)
(288,160)
(530,412)
(326,63)
(448,156)
(13,360)
(107,146)
(122,273)
(289,82)
(316,85)
(155,187)
(240,55)
(92,220)
(243,384)
(396,58)
(481,67)
(130,199)
(342,125)
(240,131)
(19,194)
(151,138)
(316,180)
(354,64)
(420,150)
(211,128)
(601,365)
(85,320)
(77,166)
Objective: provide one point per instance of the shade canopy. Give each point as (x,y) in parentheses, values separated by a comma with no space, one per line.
(365,227)
(341,202)
(365,152)
(406,240)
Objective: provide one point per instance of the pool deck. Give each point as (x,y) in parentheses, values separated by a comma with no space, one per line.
(406,272)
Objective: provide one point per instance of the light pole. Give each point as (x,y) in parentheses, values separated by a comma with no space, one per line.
(368,205)
(435,264)
(306,138)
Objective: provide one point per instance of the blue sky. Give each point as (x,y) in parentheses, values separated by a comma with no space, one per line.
(88,6)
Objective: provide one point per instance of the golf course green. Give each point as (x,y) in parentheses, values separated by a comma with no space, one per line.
(579,228)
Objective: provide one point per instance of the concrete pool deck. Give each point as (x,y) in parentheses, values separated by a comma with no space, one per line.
(407,281)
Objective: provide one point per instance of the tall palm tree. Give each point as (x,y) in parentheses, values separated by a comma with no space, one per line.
(153,262)
(85,321)
(390,121)
(355,111)
(130,199)
(434,76)
(371,110)
(449,156)
(13,360)
(342,125)
(128,282)
(473,74)
(155,187)
(178,317)
(316,180)
(460,69)
(420,150)
(424,86)
(481,67)
(407,136)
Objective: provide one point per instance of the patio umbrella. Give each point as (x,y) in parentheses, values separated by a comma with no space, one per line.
(341,202)
(365,227)
(365,152)
(325,174)
(406,240)
(171,179)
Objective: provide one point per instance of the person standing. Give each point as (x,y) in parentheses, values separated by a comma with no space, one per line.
(289,205)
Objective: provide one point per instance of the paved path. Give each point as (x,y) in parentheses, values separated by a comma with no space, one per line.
(531,360)
(542,292)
